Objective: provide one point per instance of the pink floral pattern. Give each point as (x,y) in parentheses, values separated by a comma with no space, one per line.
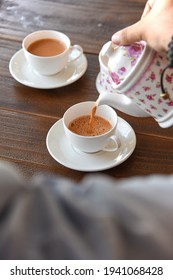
(150,83)
(146,92)
(115,78)
(132,53)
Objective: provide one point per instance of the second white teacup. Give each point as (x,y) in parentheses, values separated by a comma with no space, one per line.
(90,144)
(49,51)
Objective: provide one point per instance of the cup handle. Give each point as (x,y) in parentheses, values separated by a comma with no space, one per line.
(112,144)
(75,52)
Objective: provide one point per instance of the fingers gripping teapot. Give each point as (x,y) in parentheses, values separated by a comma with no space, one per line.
(129,80)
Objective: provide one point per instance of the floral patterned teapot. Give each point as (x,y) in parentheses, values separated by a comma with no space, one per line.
(134,72)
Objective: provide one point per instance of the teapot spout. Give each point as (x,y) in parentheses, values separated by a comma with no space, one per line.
(113,100)
(122,103)
(107,99)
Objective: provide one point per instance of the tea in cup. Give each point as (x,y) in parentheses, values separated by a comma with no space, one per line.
(91,133)
(49,51)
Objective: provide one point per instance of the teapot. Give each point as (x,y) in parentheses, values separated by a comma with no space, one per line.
(129,80)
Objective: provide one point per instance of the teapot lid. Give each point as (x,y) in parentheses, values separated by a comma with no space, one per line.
(126,63)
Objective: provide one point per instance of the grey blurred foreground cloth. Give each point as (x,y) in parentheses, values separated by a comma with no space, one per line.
(97,218)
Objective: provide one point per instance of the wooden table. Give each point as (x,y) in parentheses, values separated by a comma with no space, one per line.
(26,114)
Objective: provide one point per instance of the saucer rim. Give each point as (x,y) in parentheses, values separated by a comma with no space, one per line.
(91,169)
(30,84)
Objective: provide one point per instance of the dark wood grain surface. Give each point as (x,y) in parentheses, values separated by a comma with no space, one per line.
(26,114)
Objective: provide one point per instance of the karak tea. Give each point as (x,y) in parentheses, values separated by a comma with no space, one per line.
(48,51)
(46,47)
(91,135)
(83,126)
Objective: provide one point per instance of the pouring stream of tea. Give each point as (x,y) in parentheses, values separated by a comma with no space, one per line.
(92,114)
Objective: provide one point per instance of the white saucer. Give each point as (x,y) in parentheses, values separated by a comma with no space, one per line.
(122,103)
(61,150)
(24,74)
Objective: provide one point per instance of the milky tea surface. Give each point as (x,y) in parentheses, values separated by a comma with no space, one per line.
(90,125)
(47,47)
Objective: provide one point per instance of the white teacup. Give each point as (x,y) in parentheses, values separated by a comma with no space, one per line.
(91,144)
(50,63)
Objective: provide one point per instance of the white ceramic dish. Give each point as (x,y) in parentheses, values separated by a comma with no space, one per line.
(24,74)
(61,150)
